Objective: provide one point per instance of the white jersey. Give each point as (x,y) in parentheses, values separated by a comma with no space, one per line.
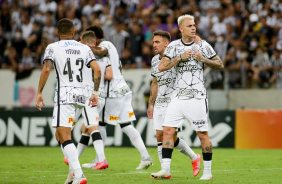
(189,74)
(69,58)
(103,64)
(117,86)
(166,81)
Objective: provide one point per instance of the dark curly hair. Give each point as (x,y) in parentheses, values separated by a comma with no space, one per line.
(97,30)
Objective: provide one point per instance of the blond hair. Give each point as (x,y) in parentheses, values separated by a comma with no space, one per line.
(182,17)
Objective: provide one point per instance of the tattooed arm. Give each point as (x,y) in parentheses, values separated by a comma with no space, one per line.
(153,96)
(213,63)
(48,65)
(93,101)
(167,63)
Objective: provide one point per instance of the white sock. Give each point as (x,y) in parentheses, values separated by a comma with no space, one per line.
(103,133)
(136,140)
(81,147)
(160,147)
(72,157)
(166,164)
(70,168)
(207,167)
(98,146)
(186,150)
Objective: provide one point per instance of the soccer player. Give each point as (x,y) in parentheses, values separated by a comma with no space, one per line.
(91,115)
(162,88)
(190,102)
(118,109)
(68,58)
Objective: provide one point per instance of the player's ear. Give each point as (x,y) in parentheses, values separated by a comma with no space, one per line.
(180,29)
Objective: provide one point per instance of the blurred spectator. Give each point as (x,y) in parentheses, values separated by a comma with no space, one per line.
(119,37)
(34,39)
(127,60)
(18,42)
(26,64)
(135,43)
(261,67)
(26,26)
(146,56)
(219,27)
(48,31)
(276,63)
(233,66)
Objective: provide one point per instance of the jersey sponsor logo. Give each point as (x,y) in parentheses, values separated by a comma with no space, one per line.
(113,118)
(164,81)
(163,100)
(131,114)
(182,67)
(70,120)
(184,91)
(71,51)
(69,43)
(200,122)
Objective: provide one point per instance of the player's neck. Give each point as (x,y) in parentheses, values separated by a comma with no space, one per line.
(66,37)
(187,39)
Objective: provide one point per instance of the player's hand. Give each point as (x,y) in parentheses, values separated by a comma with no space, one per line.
(198,56)
(93,101)
(39,99)
(197,39)
(150,112)
(186,55)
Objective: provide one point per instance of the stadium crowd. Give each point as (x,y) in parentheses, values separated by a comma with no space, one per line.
(246,34)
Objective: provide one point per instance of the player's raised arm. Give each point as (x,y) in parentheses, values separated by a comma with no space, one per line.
(42,81)
(153,96)
(99,51)
(214,63)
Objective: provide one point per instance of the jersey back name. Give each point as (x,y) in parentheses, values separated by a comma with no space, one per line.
(70,58)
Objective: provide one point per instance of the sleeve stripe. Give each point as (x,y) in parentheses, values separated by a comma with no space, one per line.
(88,64)
(212,56)
(167,56)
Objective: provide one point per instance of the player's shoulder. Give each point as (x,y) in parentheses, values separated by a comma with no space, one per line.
(203,43)
(156,58)
(175,42)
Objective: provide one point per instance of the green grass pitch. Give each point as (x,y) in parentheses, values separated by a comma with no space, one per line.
(44,165)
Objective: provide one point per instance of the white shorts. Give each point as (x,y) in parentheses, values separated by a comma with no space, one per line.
(66,115)
(91,114)
(194,110)
(159,116)
(119,110)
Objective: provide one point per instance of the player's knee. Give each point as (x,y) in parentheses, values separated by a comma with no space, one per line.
(203,136)
(168,132)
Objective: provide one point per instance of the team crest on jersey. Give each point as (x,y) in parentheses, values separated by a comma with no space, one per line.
(131,114)
(113,118)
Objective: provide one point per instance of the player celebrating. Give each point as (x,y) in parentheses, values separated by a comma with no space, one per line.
(118,109)
(191,100)
(68,57)
(162,88)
